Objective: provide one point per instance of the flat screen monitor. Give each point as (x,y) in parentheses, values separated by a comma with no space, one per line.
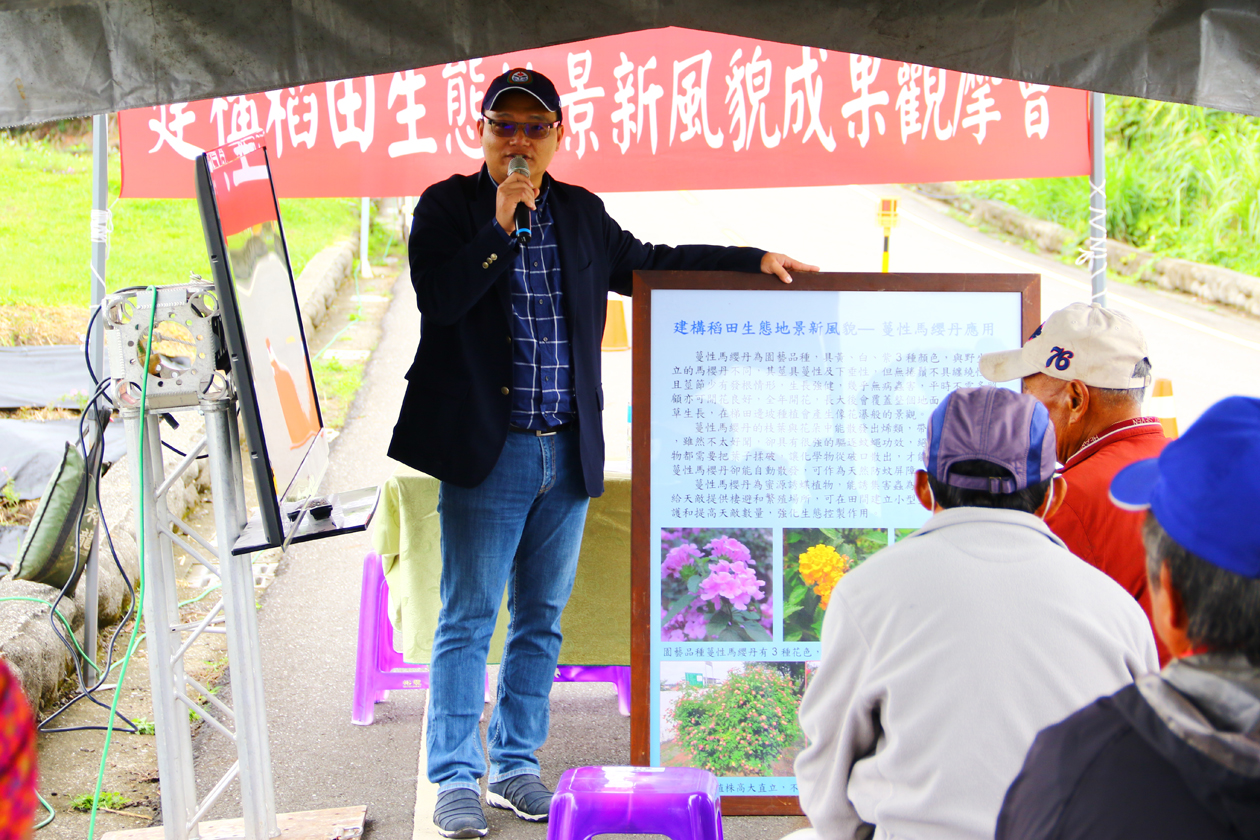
(262,325)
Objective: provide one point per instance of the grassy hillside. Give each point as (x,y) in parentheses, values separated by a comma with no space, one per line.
(1182,181)
(45,209)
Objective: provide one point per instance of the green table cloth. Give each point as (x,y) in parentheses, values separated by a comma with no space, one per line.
(596,623)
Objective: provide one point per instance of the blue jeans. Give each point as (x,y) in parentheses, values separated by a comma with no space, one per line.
(521,528)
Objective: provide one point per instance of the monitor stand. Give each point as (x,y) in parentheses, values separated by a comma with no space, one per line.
(313,519)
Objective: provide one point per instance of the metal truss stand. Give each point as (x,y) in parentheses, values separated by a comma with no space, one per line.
(179,374)
(169,639)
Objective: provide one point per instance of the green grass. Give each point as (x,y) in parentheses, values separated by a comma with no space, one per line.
(336,382)
(1182,181)
(45,210)
(109,799)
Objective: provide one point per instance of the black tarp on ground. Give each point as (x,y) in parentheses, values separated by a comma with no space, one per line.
(55,376)
(10,544)
(63,58)
(30,451)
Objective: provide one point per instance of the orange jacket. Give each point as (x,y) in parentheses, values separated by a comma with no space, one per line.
(1092,527)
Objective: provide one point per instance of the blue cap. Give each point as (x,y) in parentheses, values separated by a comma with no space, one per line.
(1204,488)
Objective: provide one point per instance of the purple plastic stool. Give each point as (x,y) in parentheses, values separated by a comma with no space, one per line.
(618,675)
(680,802)
(379,668)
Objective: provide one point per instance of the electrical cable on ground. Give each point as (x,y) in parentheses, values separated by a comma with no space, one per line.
(87,356)
(84,690)
(49,808)
(69,639)
(101,387)
(93,463)
(56,611)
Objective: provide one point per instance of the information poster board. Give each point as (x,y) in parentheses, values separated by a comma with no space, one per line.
(777,429)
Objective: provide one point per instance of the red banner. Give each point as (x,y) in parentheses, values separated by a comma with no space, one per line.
(655,110)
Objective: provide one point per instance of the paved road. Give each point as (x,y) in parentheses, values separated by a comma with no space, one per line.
(309,617)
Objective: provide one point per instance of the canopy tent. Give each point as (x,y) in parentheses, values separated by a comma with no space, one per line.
(64,58)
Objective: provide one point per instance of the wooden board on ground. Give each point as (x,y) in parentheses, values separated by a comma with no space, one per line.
(328,824)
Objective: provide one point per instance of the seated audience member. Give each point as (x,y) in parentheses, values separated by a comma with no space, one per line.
(1177,755)
(1088,366)
(944,654)
(17,759)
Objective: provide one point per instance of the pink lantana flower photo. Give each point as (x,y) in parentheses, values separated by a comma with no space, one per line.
(731,549)
(718,592)
(683,555)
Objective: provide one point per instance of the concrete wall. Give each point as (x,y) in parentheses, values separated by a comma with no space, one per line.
(1208,282)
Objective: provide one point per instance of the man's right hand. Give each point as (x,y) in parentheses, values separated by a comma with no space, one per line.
(515,189)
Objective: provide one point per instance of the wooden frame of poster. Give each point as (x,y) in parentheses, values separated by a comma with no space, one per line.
(646,544)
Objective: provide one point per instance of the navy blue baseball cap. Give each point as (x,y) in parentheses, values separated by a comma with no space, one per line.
(529,81)
(1204,488)
(997,425)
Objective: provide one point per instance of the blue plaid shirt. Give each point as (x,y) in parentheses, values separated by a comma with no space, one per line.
(542,380)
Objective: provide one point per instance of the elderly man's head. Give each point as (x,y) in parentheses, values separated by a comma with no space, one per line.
(1086,364)
(1202,534)
(990,448)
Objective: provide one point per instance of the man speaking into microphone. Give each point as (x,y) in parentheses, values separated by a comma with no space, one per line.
(512,271)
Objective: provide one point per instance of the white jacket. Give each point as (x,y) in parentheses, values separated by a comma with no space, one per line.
(942,657)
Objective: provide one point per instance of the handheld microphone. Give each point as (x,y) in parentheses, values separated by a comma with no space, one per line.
(522,233)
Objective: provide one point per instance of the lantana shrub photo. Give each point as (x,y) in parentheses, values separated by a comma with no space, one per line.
(814,560)
(716,585)
(746,724)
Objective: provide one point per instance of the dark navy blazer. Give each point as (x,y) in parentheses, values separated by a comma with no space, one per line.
(454,417)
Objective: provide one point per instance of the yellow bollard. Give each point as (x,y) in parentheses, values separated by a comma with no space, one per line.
(886,217)
(615,337)
(1163,407)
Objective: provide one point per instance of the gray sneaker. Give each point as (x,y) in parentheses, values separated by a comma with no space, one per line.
(526,795)
(458,814)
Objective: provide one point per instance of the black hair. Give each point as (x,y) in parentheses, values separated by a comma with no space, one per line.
(1026,500)
(1223,608)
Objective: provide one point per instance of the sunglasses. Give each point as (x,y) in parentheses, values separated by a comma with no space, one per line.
(534,131)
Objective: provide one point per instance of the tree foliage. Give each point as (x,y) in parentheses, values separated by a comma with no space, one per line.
(1182,181)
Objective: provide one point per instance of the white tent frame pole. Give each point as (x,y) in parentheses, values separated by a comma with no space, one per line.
(1098,200)
(365,231)
(96,349)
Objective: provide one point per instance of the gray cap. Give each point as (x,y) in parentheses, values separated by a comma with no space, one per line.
(997,425)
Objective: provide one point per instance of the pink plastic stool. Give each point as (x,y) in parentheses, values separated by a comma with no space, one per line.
(379,668)
(681,803)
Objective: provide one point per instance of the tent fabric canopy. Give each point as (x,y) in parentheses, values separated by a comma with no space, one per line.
(64,58)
